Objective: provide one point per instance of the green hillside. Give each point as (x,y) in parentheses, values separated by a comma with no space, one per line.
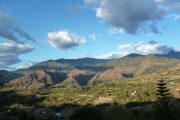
(129,96)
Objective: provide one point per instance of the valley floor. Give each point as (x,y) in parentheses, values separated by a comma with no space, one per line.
(127,100)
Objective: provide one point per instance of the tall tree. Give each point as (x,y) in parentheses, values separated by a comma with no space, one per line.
(163,108)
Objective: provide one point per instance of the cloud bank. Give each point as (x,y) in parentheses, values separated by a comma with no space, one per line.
(9,53)
(113,55)
(64,40)
(9,29)
(152,47)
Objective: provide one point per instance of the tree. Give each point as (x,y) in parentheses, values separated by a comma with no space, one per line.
(163,108)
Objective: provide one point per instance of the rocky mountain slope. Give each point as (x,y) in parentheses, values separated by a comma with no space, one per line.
(172,54)
(43,79)
(63,72)
(65,64)
(131,66)
(6,76)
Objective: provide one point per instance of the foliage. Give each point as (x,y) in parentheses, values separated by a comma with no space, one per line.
(163,108)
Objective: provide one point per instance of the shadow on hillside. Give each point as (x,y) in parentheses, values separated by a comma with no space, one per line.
(8,98)
(15,106)
(94,68)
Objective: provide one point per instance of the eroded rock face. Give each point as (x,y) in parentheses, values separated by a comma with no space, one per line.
(41,79)
(115,74)
(34,80)
(76,78)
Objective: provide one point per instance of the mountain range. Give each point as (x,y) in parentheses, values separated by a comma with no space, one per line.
(87,71)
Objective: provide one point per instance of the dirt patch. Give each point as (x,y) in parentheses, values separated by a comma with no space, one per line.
(177,92)
(102,100)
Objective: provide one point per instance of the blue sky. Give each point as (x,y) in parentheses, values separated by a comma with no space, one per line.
(86,28)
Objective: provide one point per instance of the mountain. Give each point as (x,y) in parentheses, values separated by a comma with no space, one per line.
(77,78)
(42,79)
(66,64)
(6,76)
(82,61)
(172,54)
(34,80)
(89,71)
(132,55)
(132,65)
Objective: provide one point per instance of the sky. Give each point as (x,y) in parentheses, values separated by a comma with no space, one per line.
(33,31)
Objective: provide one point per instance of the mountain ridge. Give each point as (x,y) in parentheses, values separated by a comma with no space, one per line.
(70,72)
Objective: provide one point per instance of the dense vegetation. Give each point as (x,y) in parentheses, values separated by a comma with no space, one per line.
(126,100)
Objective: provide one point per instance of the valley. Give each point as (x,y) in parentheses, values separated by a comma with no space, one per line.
(128,83)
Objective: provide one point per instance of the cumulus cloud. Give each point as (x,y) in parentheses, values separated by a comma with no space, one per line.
(152,47)
(64,39)
(129,15)
(9,29)
(9,53)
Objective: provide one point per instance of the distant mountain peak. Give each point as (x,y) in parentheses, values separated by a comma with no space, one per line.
(133,55)
(172,54)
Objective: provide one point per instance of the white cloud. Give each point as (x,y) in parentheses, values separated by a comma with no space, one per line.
(64,40)
(174,16)
(93,36)
(113,55)
(27,65)
(9,53)
(129,15)
(14,49)
(151,47)
(125,46)
(116,31)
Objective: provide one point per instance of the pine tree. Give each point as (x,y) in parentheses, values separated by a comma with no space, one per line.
(162,109)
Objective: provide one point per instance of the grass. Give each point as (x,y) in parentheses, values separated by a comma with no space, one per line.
(121,93)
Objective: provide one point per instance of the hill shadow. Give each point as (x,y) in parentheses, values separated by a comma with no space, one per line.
(8,98)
